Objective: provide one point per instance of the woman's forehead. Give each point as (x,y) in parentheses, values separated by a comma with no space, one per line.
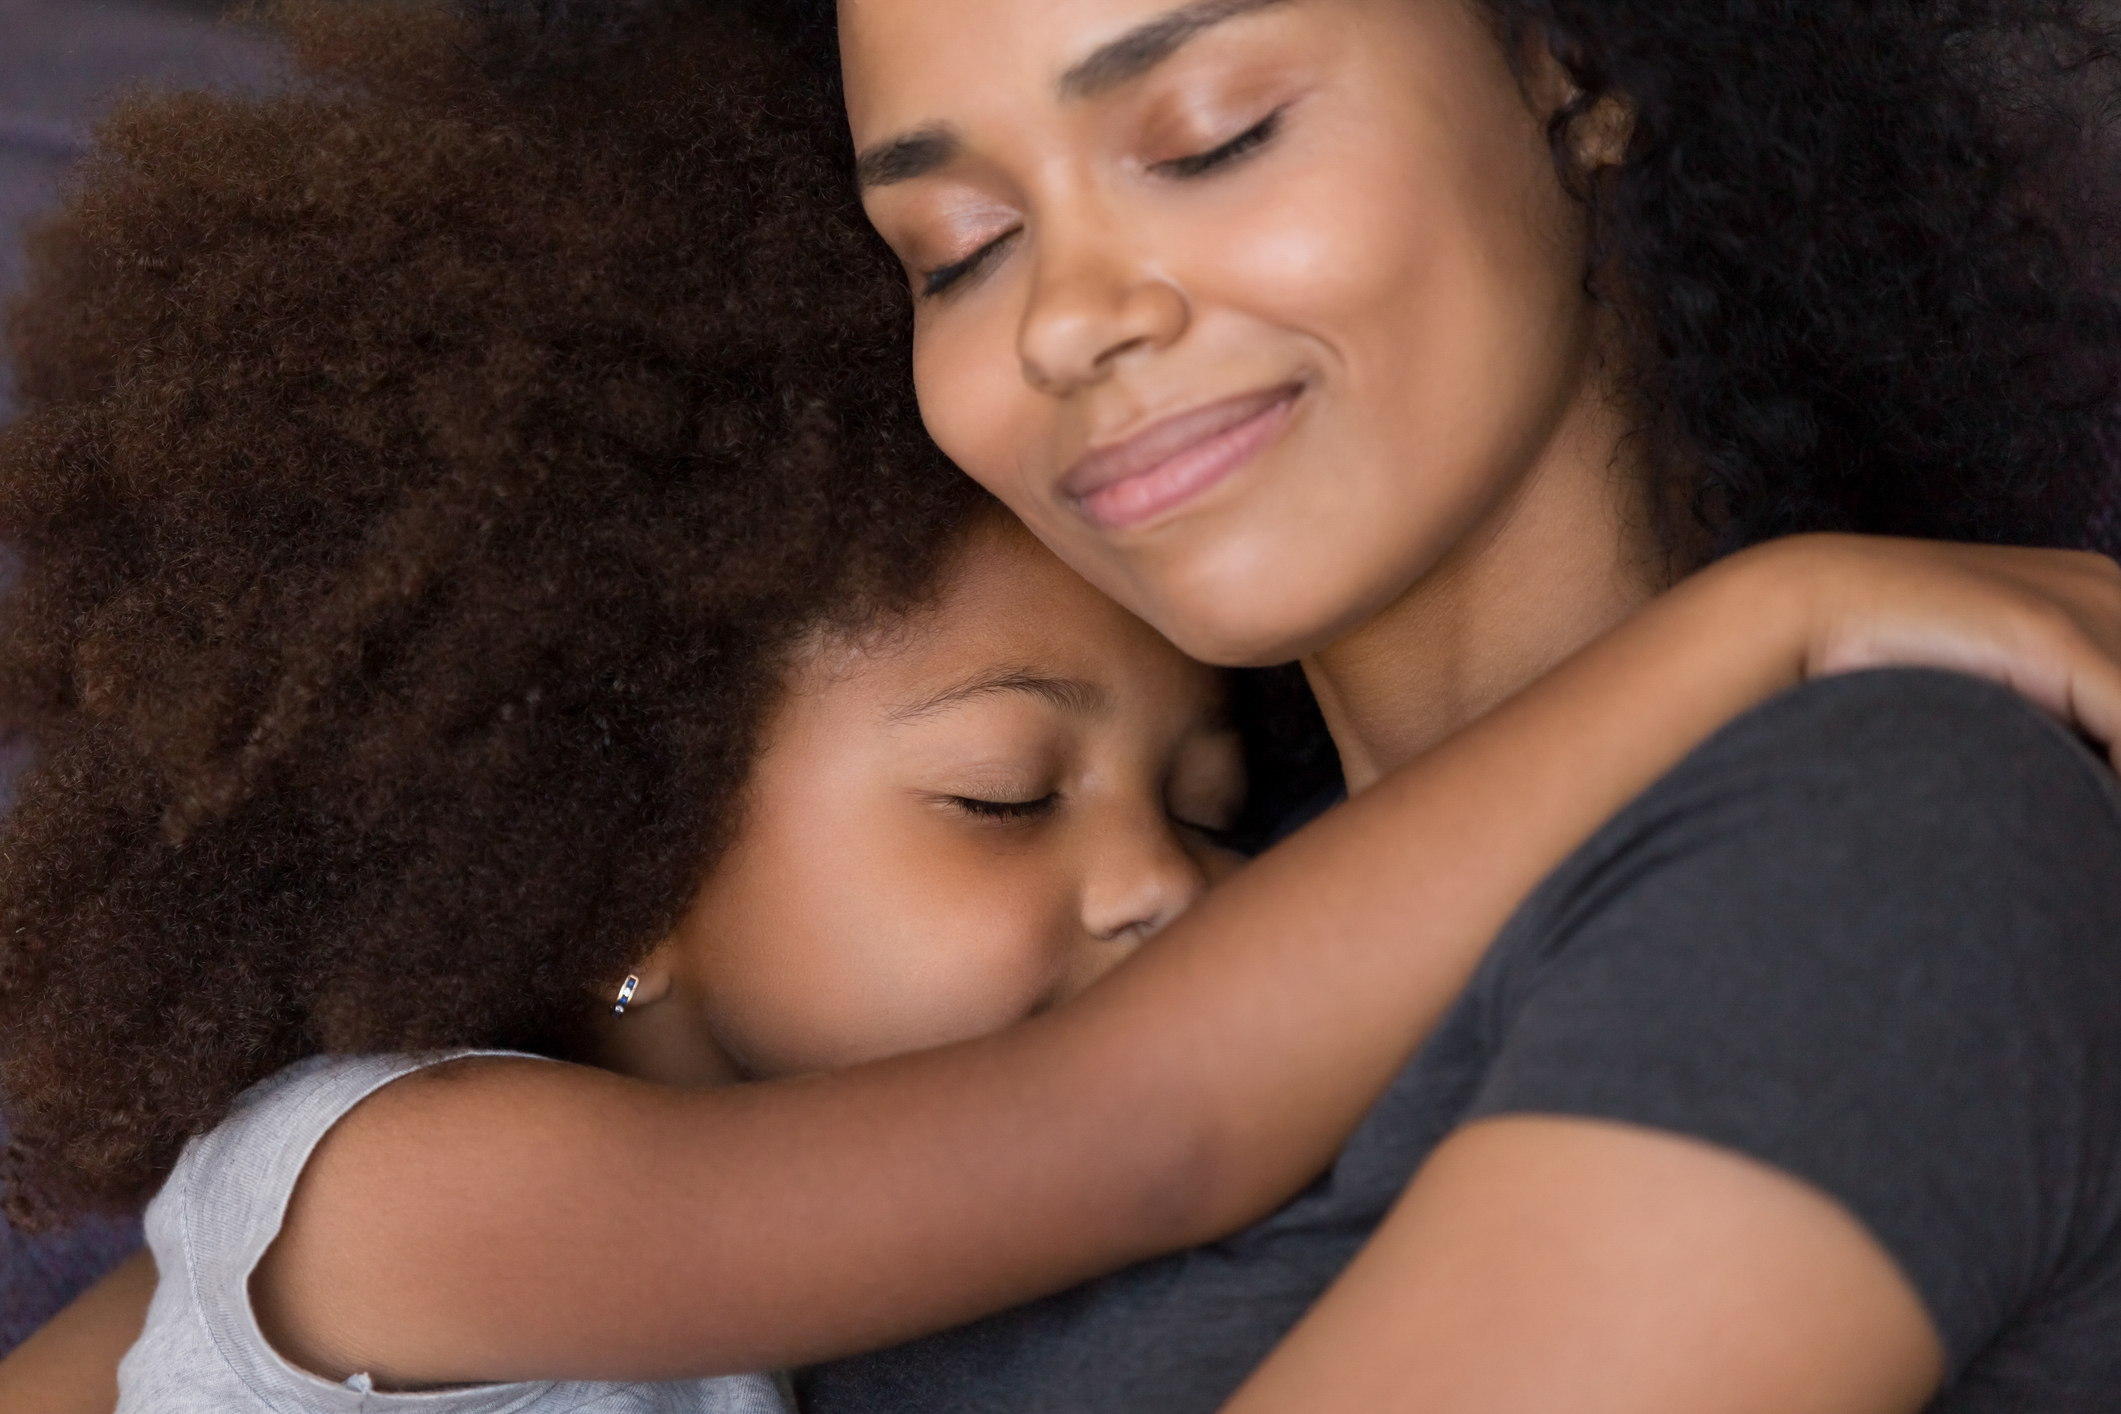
(1072,49)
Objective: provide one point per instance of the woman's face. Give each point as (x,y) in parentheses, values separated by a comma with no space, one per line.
(1257,311)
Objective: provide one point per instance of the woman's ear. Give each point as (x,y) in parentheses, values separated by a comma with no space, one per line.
(1598,133)
(1599,137)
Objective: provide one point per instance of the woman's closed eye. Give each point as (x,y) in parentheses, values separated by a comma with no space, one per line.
(1199,164)
(939,280)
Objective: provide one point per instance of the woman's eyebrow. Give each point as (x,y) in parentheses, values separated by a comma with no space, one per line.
(904,158)
(1141,49)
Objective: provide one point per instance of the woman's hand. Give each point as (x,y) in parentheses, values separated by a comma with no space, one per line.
(2046,623)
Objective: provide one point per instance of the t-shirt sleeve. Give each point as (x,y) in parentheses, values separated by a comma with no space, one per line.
(1871,936)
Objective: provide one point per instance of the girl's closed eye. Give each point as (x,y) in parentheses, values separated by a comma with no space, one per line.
(1006,810)
(1222,837)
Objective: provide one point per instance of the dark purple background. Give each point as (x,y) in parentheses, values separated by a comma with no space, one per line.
(61,61)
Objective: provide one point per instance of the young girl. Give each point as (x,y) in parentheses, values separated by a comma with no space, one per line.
(469,607)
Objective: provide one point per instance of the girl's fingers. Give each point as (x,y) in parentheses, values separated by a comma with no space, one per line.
(2077,636)
(2046,623)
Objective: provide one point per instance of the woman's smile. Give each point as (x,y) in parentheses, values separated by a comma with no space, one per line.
(1178,458)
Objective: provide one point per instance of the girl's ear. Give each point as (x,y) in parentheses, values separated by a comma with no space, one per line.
(653,978)
(662,1035)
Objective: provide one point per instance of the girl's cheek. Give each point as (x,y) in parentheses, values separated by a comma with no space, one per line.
(1004,945)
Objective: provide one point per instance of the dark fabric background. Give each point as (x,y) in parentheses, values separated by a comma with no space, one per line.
(60,63)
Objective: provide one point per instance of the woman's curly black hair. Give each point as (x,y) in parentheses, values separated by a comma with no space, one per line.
(1864,253)
(426,471)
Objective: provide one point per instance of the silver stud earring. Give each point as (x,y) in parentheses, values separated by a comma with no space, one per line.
(626,996)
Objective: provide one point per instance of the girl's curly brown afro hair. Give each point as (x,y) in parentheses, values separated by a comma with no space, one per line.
(425,473)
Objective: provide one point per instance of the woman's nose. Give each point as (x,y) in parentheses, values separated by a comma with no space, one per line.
(1090,305)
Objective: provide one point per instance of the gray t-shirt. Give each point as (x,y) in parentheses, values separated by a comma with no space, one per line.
(202,1351)
(1870,935)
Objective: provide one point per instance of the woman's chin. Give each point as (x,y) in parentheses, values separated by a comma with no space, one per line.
(1231,600)
(1241,630)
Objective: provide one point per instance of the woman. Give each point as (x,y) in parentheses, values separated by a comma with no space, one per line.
(1424,339)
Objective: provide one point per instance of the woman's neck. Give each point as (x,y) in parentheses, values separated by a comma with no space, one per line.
(1568,554)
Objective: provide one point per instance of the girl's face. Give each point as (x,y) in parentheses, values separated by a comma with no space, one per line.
(1257,311)
(957,826)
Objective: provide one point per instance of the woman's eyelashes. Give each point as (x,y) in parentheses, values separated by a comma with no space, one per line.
(941,279)
(1199,164)
(937,281)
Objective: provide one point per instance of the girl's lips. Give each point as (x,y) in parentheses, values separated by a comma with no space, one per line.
(1177,459)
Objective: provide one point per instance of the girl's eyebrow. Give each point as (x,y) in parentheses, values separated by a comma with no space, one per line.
(1071,695)
(1123,60)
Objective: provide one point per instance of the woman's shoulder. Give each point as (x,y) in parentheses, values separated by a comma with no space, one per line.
(1868,722)
(1881,826)
(1883,790)
(1869,935)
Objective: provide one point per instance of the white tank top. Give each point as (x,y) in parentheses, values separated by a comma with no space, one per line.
(202,1352)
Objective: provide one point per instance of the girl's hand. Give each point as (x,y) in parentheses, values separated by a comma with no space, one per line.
(2046,623)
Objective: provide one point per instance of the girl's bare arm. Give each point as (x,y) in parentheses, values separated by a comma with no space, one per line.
(512,1220)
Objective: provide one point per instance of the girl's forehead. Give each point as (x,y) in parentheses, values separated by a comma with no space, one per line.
(1007,616)
(1007,599)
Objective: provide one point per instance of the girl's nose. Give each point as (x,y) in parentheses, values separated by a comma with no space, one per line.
(1137,879)
(1137,882)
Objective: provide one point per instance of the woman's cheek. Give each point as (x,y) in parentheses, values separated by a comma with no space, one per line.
(974,401)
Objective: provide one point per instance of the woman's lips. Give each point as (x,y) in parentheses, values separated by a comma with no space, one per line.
(1176,459)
